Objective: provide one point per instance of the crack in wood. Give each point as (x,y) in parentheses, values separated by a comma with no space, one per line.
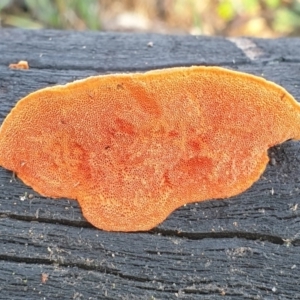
(45,261)
(169,233)
(220,235)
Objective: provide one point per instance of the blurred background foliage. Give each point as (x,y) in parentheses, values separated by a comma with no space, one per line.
(263,18)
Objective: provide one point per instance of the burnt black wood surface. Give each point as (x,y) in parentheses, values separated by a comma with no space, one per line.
(245,247)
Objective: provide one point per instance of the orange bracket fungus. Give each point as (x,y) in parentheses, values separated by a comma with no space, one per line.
(21,65)
(132,148)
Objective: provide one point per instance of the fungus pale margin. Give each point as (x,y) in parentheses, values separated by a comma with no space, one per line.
(132,148)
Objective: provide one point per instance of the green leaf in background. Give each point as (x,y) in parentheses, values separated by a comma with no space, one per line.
(249,6)
(45,11)
(286,20)
(22,22)
(273,3)
(5,3)
(89,11)
(226,10)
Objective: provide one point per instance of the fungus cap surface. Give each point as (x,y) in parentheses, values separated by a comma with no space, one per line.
(131,148)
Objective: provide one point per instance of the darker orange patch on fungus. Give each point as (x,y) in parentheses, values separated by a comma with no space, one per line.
(133,148)
(22,64)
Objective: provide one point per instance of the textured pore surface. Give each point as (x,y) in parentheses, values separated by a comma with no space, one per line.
(132,148)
